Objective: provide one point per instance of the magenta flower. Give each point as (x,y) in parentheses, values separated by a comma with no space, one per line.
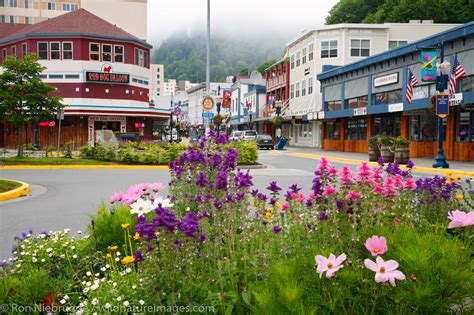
(329,190)
(398,180)
(324,165)
(332,170)
(352,195)
(364,172)
(331,264)
(345,176)
(155,186)
(409,183)
(377,245)
(300,198)
(389,188)
(377,174)
(385,270)
(460,219)
(377,189)
(116,197)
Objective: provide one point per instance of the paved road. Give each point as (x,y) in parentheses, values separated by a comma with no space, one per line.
(70,195)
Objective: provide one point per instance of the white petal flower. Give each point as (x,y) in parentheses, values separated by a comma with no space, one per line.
(103,269)
(141,207)
(141,302)
(95,301)
(63,301)
(126,303)
(74,256)
(128,270)
(88,274)
(119,298)
(118,254)
(165,203)
(108,305)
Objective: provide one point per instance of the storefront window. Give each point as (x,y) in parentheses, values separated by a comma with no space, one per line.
(380,98)
(356,129)
(423,126)
(386,125)
(466,84)
(333,106)
(333,130)
(395,96)
(420,92)
(465,124)
(390,97)
(357,102)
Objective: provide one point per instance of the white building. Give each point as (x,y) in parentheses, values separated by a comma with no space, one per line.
(337,45)
(170,87)
(129,15)
(196,95)
(157,86)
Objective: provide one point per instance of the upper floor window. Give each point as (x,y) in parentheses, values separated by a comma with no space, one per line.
(396,43)
(70,7)
(310,52)
(28,4)
(304,56)
(51,6)
(140,57)
(118,53)
(94,51)
(297,87)
(9,19)
(55,51)
(28,20)
(9,3)
(360,47)
(333,106)
(24,50)
(43,50)
(298,56)
(67,50)
(292,91)
(4,54)
(329,49)
(310,86)
(106,52)
(303,88)
(13,50)
(292,60)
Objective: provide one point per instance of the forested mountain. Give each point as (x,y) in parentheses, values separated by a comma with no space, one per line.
(401,11)
(184,56)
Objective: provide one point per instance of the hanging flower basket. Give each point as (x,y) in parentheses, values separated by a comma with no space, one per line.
(278,120)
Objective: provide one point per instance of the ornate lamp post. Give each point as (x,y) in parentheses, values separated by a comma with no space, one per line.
(218,123)
(171,121)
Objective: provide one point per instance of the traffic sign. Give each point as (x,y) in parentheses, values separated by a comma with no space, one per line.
(208,114)
(442,105)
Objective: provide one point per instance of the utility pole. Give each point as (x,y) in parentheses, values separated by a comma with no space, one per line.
(208,55)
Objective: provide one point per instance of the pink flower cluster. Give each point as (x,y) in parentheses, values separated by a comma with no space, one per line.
(460,219)
(137,191)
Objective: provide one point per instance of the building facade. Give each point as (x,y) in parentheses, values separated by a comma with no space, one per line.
(368,99)
(101,72)
(115,11)
(170,87)
(157,81)
(337,45)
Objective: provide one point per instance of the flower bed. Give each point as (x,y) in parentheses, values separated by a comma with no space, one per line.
(375,241)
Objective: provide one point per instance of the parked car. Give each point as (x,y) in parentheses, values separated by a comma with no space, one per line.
(250,135)
(236,135)
(265,141)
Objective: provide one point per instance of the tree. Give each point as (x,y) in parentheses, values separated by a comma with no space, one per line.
(245,71)
(352,11)
(23,96)
(265,65)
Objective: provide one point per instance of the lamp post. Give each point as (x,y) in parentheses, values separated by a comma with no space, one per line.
(171,120)
(218,106)
(442,79)
(278,112)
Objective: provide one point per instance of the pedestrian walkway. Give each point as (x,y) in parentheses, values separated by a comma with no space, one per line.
(421,164)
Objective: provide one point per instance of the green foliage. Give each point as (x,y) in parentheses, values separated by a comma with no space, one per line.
(373,141)
(401,141)
(265,65)
(245,71)
(386,141)
(352,11)
(6,185)
(248,152)
(68,150)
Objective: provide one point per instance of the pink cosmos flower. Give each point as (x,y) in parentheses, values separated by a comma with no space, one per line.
(285,206)
(300,198)
(376,245)
(345,176)
(353,195)
(330,264)
(116,197)
(385,270)
(364,172)
(377,189)
(409,183)
(312,196)
(155,186)
(329,190)
(460,219)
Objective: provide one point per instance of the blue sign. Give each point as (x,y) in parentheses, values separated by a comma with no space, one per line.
(207,114)
(442,105)
(177,110)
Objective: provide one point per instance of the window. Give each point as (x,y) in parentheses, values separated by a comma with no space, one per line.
(423,127)
(297,88)
(2,3)
(29,20)
(94,51)
(11,3)
(67,50)
(71,76)
(465,124)
(357,102)
(420,92)
(360,47)
(4,54)
(466,84)
(386,125)
(304,56)
(298,56)
(13,50)
(118,53)
(390,97)
(329,49)
(333,130)
(28,4)
(69,7)
(56,76)
(106,52)
(395,96)
(43,50)
(8,19)
(303,88)
(333,106)
(292,91)
(292,61)
(396,43)
(310,51)
(140,57)
(55,51)
(24,49)
(356,129)
(51,6)
(310,86)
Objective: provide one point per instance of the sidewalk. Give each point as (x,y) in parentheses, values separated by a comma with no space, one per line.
(350,157)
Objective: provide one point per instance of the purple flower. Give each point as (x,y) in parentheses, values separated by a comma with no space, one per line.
(203,214)
(261,197)
(380,161)
(243,180)
(272,201)
(221,180)
(202,238)
(294,188)
(276,229)
(221,139)
(189,225)
(217,203)
(2,263)
(30,230)
(254,192)
(12,248)
(410,164)
(138,256)
(323,216)
(178,243)
(239,196)
(273,187)
(202,180)
(308,203)
(150,248)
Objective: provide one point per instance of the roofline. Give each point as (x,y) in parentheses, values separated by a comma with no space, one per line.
(278,62)
(445,36)
(78,35)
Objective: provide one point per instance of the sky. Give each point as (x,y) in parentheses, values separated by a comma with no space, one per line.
(244,17)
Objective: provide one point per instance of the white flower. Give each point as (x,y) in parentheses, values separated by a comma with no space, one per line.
(79,232)
(66,230)
(114,284)
(108,305)
(97,274)
(85,290)
(88,274)
(43,260)
(88,283)
(62,256)
(141,302)
(141,207)
(118,254)
(107,266)
(165,203)
(128,270)
(103,269)
(117,259)
(134,286)
(74,256)
(119,298)
(34,259)
(73,247)
(66,297)
(126,303)
(95,301)
(49,250)
(62,301)
(94,287)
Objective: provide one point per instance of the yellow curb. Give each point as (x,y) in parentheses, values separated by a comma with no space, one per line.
(21,191)
(66,167)
(415,168)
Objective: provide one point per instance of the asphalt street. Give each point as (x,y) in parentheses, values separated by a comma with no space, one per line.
(65,198)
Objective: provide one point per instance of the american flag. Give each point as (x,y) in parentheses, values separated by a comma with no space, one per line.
(457,72)
(412,82)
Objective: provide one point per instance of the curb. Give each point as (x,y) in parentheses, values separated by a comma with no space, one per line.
(21,191)
(422,169)
(66,167)
(251,167)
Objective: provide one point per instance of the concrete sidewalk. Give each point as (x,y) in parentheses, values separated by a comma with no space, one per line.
(349,157)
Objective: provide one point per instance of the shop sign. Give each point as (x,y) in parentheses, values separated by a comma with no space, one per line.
(386,79)
(207,103)
(455,99)
(47,123)
(107,118)
(442,105)
(321,115)
(360,111)
(207,114)
(107,77)
(310,116)
(395,107)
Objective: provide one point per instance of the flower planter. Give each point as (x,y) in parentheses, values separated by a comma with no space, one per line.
(387,153)
(402,154)
(374,153)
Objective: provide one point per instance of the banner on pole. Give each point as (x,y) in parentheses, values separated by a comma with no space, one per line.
(428,65)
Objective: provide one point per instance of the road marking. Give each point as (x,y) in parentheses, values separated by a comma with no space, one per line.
(71,167)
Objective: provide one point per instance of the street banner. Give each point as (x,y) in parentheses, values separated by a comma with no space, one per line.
(428,65)
(442,105)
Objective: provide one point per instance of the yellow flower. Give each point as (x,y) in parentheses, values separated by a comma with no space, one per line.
(269,210)
(268,215)
(458,178)
(225,258)
(136,237)
(459,197)
(128,260)
(113,248)
(125,226)
(108,256)
(278,205)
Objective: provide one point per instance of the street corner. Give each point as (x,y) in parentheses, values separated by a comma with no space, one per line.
(21,191)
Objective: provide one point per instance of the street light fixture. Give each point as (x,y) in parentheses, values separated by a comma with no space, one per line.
(171,120)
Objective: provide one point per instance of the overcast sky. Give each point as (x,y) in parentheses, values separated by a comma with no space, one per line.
(166,17)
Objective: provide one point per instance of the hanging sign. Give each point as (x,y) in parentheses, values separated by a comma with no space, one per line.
(360,111)
(428,65)
(442,105)
(455,99)
(208,103)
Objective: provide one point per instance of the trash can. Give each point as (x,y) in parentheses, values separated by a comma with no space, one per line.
(281,143)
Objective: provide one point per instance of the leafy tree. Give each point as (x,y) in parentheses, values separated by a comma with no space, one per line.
(23,96)
(245,71)
(265,65)
(352,11)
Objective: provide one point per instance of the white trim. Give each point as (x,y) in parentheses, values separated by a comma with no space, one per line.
(396,40)
(111,52)
(360,39)
(72,50)
(99,52)
(123,54)
(329,50)
(38,50)
(51,50)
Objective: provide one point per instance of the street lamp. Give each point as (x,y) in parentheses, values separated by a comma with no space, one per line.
(171,120)
(218,106)
(442,79)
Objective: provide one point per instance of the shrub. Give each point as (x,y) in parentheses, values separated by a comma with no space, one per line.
(373,142)
(401,141)
(247,150)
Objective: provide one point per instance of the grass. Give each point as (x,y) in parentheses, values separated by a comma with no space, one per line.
(53,161)
(6,185)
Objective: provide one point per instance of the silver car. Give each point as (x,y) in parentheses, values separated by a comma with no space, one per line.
(250,135)
(236,135)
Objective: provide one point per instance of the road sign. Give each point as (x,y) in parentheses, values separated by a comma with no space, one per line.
(177,110)
(60,114)
(208,103)
(442,105)
(207,114)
